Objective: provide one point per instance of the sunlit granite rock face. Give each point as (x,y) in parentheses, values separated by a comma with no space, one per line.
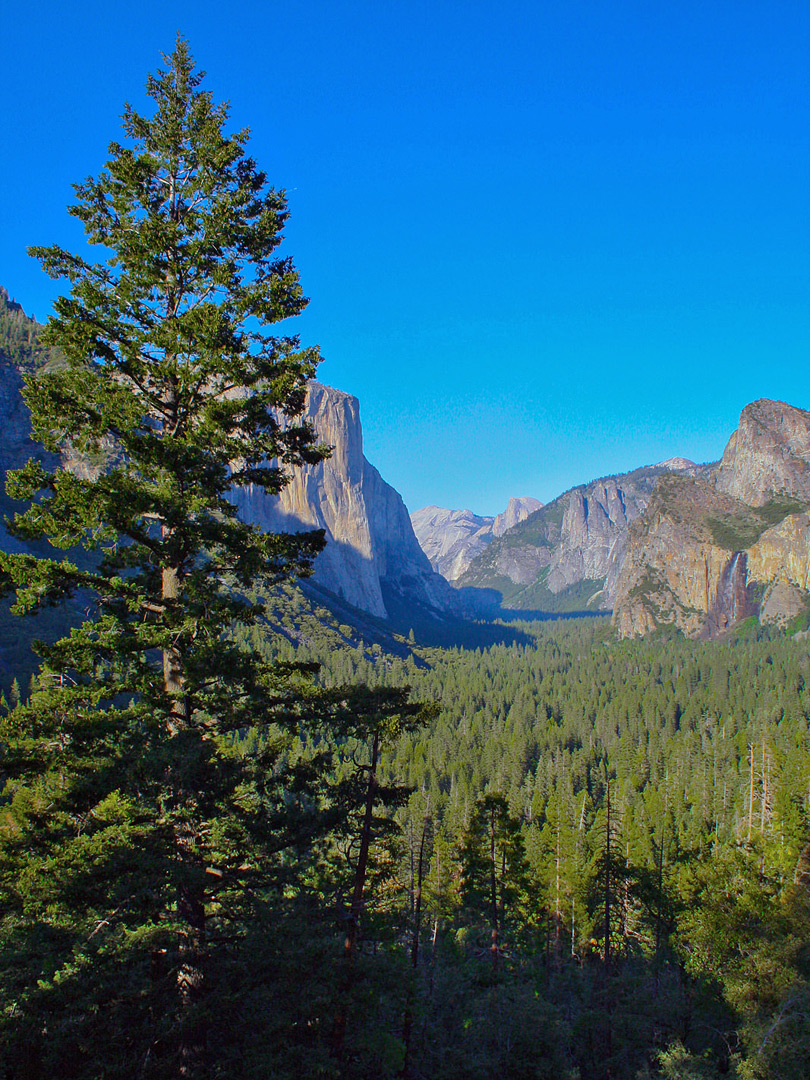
(675,571)
(371,545)
(780,561)
(452,538)
(710,552)
(768,454)
(782,553)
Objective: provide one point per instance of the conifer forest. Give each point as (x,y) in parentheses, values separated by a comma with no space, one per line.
(245,835)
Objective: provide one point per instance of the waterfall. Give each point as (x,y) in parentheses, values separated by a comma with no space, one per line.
(732,600)
(732,581)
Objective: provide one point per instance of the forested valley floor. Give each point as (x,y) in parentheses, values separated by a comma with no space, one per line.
(591,862)
(600,866)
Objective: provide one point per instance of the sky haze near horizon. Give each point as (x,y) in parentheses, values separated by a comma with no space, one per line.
(543,242)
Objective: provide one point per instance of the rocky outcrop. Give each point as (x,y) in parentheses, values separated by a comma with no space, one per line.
(679,464)
(371,545)
(452,538)
(768,455)
(782,553)
(780,563)
(676,572)
(517,510)
(711,552)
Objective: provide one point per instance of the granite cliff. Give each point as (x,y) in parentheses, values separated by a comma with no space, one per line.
(452,538)
(567,555)
(768,455)
(711,551)
(371,550)
(372,557)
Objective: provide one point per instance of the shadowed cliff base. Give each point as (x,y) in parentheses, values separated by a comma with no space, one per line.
(445,631)
(584,597)
(411,624)
(429,627)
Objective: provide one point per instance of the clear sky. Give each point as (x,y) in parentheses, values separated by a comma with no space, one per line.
(544,241)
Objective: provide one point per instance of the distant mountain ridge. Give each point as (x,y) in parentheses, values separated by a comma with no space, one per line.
(568,555)
(452,538)
(696,547)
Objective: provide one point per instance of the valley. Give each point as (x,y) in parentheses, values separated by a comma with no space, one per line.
(596,840)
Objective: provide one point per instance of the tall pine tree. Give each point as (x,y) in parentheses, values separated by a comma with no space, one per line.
(137,840)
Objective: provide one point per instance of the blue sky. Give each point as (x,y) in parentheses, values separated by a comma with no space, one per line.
(543,241)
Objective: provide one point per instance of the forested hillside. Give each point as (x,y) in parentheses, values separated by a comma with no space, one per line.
(19,335)
(20,344)
(569,781)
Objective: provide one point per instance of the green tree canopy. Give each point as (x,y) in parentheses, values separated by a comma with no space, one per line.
(137,838)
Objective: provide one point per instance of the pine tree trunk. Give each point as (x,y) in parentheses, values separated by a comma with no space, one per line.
(407,1024)
(173,680)
(190,893)
(434,938)
(350,941)
(607,882)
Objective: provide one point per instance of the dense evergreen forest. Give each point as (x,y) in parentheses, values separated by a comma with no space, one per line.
(567,783)
(572,783)
(249,833)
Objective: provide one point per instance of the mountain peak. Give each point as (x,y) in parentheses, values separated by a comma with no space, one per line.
(517,510)
(768,455)
(451,539)
(676,464)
